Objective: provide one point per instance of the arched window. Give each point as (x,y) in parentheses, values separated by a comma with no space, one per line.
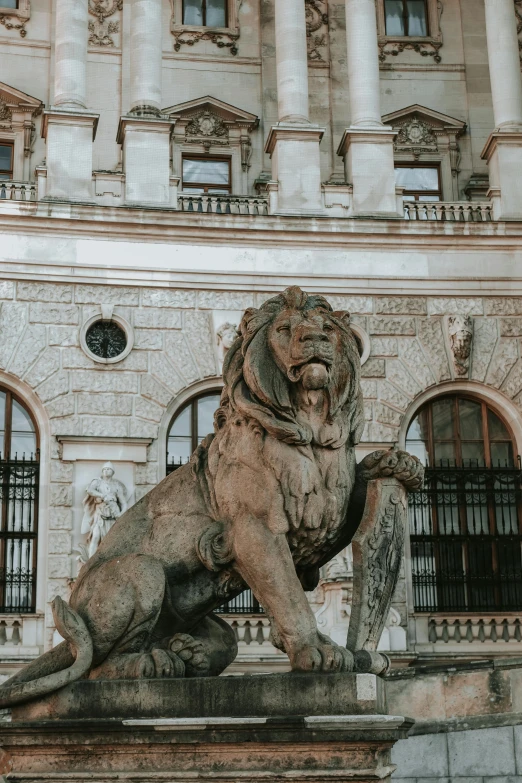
(465,525)
(19,479)
(189,426)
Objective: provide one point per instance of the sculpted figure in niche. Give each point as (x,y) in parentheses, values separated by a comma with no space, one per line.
(226,334)
(267,499)
(105,500)
(460,328)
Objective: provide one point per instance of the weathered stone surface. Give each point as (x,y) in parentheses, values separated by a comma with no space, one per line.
(153,319)
(60,518)
(167,297)
(511,327)
(368,411)
(485,753)
(105,425)
(422,756)
(44,292)
(384,346)
(504,305)
(390,394)
(411,354)
(398,374)
(380,433)
(75,359)
(485,335)
(165,372)
(432,339)
(136,361)
(352,304)
(61,495)
(12,324)
(386,415)
(179,354)
(147,474)
(59,543)
(30,347)
(455,305)
(401,305)
(105,404)
(142,490)
(6,289)
(155,391)
(56,385)
(504,357)
(224,300)
(369,389)
(147,409)
(63,336)
(66,425)
(97,294)
(94,381)
(142,429)
(148,339)
(58,587)
(53,313)
(373,368)
(44,367)
(61,471)
(392,326)
(200,336)
(58,567)
(513,383)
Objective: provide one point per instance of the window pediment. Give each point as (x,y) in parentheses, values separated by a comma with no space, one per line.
(16,106)
(420,129)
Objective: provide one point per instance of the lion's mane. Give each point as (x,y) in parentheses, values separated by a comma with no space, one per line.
(256,388)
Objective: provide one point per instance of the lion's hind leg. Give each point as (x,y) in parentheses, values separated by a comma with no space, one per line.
(207,650)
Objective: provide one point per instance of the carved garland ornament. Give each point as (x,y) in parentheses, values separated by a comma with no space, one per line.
(7,22)
(101,31)
(206,128)
(518,16)
(316,30)
(5,113)
(394,48)
(221,40)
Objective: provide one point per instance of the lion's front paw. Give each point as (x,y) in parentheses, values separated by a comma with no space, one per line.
(322,657)
(397,464)
(192,653)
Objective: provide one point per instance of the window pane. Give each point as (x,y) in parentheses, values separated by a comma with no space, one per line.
(470,414)
(444,454)
(443,419)
(2,422)
(182,425)
(23,444)
(497,428)
(214,172)
(192,12)
(417,18)
(21,419)
(417,437)
(502,455)
(9,3)
(206,408)
(394,17)
(6,152)
(194,191)
(428,198)
(178,450)
(472,454)
(216,13)
(417,178)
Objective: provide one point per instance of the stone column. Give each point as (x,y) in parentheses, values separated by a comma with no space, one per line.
(367,145)
(293,143)
(68,127)
(144,132)
(503,150)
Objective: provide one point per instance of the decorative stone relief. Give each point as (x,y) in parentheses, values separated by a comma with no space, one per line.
(416,135)
(6,115)
(460,332)
(317,31)
(221,40)
(17,18)
(206,128)
(432,339)
(225,336)
(518,16)
(101,30)
(105,500)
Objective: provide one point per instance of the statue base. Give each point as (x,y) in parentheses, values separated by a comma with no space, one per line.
(282,727)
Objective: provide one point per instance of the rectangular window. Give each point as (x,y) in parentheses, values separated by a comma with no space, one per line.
(6,161)
(406,18)
(420,183)
(8,3)
(206,175)
(204,13)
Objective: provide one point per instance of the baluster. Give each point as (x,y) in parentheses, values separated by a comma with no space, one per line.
(209,203)
(9,629)
(190,205)
(12,194)
(3,635)
(22,193)
(228,211)
(218,206)
(2,191)
(265,630)
(241,626)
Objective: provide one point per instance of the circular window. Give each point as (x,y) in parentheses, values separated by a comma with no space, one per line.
(106,340)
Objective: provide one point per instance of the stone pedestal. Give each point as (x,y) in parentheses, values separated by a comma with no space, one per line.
(283,727)
(369,168)
(146,159)
(296,165)
(69,136)
(503,153)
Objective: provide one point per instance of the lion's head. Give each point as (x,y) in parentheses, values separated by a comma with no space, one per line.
(294,338)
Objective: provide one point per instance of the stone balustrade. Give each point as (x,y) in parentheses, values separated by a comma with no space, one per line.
(18,191)
(19,635)
(475,628)
(224,205)
(456,211)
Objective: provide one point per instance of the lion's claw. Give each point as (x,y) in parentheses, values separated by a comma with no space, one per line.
(323,657)
(191,652)
(405,467)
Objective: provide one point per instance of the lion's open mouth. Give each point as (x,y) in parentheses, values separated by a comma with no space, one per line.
(296,372)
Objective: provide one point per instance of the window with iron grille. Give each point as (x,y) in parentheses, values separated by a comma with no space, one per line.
(19,486)
(465,524)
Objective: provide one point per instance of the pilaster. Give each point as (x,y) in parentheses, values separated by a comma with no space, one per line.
(503,153)
(296,166)
(146,159)
(369,168)
(69,136)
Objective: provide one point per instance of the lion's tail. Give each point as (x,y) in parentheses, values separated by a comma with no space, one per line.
(75,654)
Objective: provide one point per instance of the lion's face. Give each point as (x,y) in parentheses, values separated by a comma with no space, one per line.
(305,346)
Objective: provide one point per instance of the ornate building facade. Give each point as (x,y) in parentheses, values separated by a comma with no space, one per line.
(165,164)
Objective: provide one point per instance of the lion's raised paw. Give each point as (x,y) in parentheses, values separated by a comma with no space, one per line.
(323,657)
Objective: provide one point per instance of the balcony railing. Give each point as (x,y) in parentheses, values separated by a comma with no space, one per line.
(224,205)
(466,541)
(18,191)
(443,211)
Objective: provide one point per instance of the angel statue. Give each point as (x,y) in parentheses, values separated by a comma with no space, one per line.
(105,500)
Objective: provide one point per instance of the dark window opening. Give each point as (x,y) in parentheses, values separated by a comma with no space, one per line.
(205,13)
(206,175)
(6,161)
(420,183)
(406,18)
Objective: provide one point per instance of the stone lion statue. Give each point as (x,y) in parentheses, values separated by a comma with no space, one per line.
(267,499)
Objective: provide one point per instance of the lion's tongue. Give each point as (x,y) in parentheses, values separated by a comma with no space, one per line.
(313,375)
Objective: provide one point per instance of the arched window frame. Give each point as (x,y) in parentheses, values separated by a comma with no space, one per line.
(192,403)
